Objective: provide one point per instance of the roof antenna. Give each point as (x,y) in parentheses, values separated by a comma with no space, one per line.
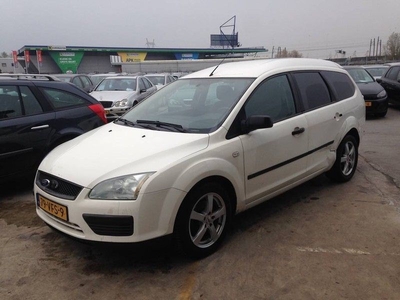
(212,73)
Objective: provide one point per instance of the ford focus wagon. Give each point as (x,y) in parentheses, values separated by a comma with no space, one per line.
(202,149)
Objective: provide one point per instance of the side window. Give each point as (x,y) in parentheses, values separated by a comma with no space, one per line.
(31,104)
(141,84)
(340,83)
(10,104)
(392,73)
(77,82)
(86,81)
(313,90)
(61,99)
(147,84)
(272,97)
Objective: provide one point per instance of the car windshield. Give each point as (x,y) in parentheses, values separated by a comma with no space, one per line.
(377,71)
(156,79)
(360,75)
(117,84)
(194,105)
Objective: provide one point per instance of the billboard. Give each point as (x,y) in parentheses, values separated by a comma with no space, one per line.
(224,40)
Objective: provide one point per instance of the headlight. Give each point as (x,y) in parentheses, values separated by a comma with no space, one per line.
(122,103)
(382,94)
(120,188)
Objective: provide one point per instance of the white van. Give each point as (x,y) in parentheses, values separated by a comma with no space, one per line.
(202,149)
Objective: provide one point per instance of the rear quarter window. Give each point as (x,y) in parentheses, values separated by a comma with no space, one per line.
(61,99)
(341,84)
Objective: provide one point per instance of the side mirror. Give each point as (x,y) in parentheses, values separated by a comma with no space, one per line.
(378,80)
(256,122)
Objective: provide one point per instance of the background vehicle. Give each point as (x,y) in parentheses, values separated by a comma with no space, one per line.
(376,70)
(81,80)
(160,79)
(119,93)
(391,83)
(375,96)
(36,115)
(96,78)
(251,130)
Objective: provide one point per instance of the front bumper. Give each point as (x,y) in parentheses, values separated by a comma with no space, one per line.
(374,106)
(150,216)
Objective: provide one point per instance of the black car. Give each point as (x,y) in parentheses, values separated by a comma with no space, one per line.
(36,115)
(81,80)
(391,83)
(376,100)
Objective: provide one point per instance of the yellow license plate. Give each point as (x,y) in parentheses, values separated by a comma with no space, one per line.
(368,104)
(107,112)
(55,209)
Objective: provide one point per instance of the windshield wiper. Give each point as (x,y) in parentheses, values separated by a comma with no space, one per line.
(162,125)
(133,124)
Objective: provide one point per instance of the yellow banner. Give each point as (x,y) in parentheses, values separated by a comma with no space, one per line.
(132,56)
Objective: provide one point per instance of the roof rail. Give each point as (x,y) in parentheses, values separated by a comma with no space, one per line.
(30,76)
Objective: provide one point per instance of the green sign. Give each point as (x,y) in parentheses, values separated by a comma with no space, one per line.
(67,61)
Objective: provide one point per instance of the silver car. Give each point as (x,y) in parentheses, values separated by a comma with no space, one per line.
(118,94)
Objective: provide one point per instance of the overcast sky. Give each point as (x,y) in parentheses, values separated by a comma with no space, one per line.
(316,28)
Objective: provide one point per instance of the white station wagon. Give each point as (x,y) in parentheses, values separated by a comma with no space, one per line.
(202,149)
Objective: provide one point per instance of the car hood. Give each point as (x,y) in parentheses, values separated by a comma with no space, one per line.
(116,150)
(371,88)
(112,95)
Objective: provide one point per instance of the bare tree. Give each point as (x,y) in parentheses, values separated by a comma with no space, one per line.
(285,53)
(393,46)
(4,54)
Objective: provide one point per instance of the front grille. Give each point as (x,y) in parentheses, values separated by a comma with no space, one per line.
(110,225)
(57,187)
(106,104)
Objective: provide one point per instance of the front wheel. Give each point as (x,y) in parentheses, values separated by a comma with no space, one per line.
(346,160)
(203,220)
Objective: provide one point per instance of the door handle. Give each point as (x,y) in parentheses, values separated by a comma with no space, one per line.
(338,116)
(298,130)
(40,127)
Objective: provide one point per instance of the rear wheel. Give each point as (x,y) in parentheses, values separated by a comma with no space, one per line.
(203,220)
(346,160)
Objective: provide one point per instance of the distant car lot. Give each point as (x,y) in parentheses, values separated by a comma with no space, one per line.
(36,115)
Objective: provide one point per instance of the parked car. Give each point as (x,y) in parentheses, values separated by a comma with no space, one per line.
(376,70)
(251,131)
(391,83)
(160,79)
(36,115)
(81,80)
(118,94)
(375,96)
(96,78)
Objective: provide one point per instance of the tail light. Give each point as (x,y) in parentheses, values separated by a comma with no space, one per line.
(98,109)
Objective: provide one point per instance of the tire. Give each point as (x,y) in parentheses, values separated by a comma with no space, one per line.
(200,227)
(346,160)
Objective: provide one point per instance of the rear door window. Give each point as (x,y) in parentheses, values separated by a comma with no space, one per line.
(313,90)
(31,104)
(61,99)
(340,83)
